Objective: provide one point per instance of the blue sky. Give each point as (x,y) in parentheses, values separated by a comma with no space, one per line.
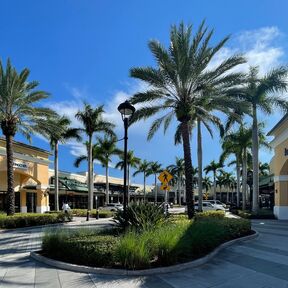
(83,50)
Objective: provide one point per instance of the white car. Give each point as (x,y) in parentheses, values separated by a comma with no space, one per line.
(207,206)
(113,207)
(218,204)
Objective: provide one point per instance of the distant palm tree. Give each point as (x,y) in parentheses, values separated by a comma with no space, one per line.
(264,169)
(19,112)
(155,168)
(178,83)
(143,167)
(132,162)
(107,149)
(262,92)
(206,183)
(93,122)
(178,172)
(64,133)
(213,167)
(228,181)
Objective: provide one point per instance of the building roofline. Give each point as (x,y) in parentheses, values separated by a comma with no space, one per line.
(27,146)
(285,117)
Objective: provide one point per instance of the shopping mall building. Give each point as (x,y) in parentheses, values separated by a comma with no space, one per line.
(34,183)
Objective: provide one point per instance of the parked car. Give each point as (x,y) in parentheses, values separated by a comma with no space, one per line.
(113,207)
(217,204)
(207,206)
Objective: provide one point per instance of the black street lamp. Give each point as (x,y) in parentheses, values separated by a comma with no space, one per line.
(127,110)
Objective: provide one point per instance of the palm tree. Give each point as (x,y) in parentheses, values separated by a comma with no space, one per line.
(19,112)
(154,169)
(206,183)
(264,169)
(231,148)
(213,167)
(260,92)
(132,162)
(178,82)
(107,148)
(178,172)
(228,181)
(64,133)
(92,121)
(143,167)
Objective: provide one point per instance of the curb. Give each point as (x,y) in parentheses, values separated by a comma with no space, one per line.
(152,271)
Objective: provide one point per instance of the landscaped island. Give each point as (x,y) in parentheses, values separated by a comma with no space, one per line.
(150,241)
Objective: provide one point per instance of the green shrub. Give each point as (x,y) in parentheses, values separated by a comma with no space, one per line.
(84,247)
(83,213)
(32,219)
(141,216)
(261,214)
(170,243)
(210,214)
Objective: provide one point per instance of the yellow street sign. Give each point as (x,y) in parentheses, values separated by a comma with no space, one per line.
(165,177)
(165,187)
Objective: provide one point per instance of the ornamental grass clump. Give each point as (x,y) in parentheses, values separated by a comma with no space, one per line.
(141,216)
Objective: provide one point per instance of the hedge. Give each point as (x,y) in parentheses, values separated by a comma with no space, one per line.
(32,219)
(174,242)
(261,214)
(83,213)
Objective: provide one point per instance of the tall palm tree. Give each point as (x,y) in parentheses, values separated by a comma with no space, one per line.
(107,148)
(155,168)
(262,92)
(132,162)
(178,82)
(143,167)
(178,172)
(19,112)
(93,122)
(64,133)
(213,167)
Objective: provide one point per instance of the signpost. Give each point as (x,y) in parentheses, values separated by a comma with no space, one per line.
(165,177)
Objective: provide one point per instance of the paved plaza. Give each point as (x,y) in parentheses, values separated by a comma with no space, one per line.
(261,262)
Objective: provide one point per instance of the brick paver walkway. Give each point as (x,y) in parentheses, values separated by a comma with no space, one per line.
(262,262)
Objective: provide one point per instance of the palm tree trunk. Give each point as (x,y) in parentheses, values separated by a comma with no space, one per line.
(244,180)
(155,188)
(10,176)
(238,181)
(179,188)
(144,186)
(56,177)
(107,183)
(214,184)
(90,174)
(188,168)
(255,151)
(199,154)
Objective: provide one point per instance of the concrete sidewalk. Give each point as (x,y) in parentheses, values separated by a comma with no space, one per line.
(262,262)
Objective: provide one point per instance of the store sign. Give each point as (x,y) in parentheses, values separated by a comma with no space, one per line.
(18,165)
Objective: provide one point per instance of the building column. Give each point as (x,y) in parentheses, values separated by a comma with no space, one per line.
(42,201)
(23,203)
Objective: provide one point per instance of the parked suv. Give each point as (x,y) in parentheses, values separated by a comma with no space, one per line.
(113,207)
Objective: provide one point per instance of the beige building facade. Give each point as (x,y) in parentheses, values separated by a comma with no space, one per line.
(279,167)
(31,178)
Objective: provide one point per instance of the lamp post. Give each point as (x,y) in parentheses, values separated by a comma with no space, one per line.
(127,110)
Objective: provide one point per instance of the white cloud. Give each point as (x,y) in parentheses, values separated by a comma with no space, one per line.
(260,47)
